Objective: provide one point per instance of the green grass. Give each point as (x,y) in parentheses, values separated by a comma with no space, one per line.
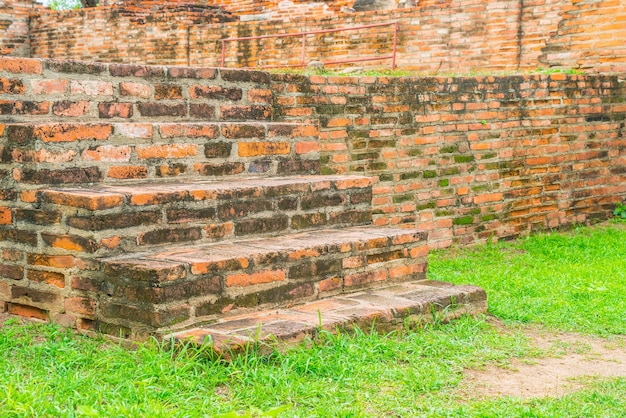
(573,282)
(567,281)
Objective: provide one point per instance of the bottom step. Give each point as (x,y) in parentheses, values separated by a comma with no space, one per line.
(180,287)
(383,308)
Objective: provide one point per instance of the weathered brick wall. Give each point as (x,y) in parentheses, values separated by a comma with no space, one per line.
(591,36)
(470,158)
(436,37)
(14,27)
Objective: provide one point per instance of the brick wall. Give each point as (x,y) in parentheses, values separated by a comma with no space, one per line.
(447,36)
(470,158)
(591,36)
(435,36)
(14,27)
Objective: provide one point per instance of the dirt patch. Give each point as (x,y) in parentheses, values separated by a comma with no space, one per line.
(567,363)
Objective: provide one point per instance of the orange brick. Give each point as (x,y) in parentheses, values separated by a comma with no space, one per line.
(306,147)
(307,252)
(485,198)
(21,65)
(58,261)
(353,183)
(86,200)
(166,151)
(127,172)
(267,276)
(49,277)
(253,149)
(67,132)
(364,278)
(28,196)
(402,271)
(328,285)
(353,262)
(112,242)
(5,216)
(188,130)
(263,96)
(28,311)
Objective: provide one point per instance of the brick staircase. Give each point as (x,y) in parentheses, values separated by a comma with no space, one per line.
(146,228)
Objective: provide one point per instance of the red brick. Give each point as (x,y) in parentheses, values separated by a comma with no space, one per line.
(189,130)
(107,153)
(91,87)
(364,278)
(115,110)
(81,306)
(49,86)
(71,108)
(135,89)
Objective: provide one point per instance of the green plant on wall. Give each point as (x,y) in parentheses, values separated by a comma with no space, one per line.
(64,4)
(620,211)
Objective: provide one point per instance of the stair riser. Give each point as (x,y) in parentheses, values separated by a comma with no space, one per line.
(186,293)
(107,153)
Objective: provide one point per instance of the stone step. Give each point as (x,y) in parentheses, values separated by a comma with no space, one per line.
(83,153)
(183,286)
(126,218)
(385,309)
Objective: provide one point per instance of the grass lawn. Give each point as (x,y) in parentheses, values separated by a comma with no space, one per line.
(567,282)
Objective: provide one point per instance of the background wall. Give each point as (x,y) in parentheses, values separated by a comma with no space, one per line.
(435,36)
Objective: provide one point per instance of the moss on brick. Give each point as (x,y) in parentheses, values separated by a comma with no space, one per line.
(464,220)
(411,175)
(463,158)
(444,182)
(429,205)
(429,174)
(474,211)
(403,198)
(449,149)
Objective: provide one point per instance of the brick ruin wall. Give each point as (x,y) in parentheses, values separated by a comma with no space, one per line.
(436,36)
(469,158)
(465,158)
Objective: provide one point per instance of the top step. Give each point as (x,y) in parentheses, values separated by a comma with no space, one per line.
(101,153)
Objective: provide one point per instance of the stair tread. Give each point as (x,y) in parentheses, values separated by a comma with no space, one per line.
(107,196)
(252,247)
(381,307)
